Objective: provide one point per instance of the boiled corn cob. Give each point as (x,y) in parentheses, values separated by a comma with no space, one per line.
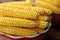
(16,22)
(21,7)
(21,13)
(44,18)
(53,2)
(42,24)
(53,8)
(17,5)
(17,31)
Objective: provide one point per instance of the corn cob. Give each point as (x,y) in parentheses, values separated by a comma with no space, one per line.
(20,13)
(17,5)
(42,24)
(44,18)
(21,7)
(16,22)
(53,8)
(53,2)
(17,31)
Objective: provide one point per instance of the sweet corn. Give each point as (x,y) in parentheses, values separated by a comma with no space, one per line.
(42,24)
(53,8)
(17,31)
(21,12)
(16,5)
(16,22)
(53,2)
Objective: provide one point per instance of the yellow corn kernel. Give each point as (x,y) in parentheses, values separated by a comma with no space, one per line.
(53,8)
(53,2)
(17,31)
(42,24)
(16,22)
(44,18)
